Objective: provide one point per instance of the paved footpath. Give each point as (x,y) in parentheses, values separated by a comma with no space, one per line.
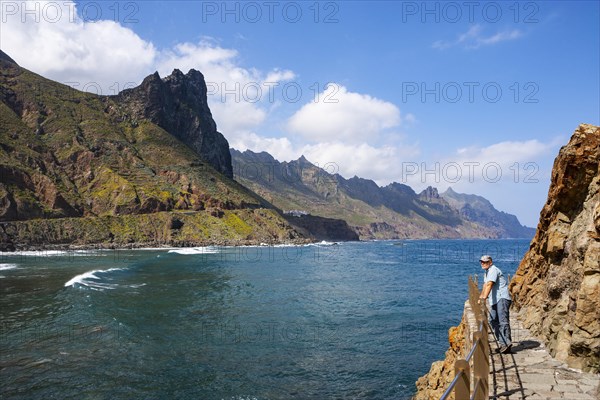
(531,373)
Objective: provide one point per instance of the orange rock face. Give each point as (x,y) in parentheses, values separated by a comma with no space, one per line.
(557,284)
(434,383)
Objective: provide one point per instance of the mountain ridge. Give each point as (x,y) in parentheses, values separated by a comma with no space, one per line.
(479,209)
(155,148)
(394,211)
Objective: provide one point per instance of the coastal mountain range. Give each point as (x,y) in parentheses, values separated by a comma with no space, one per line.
(394,211)
(149,167)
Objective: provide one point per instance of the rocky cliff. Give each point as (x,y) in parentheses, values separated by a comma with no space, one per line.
(557,284)
(323,228)
(433,384)
(178,104)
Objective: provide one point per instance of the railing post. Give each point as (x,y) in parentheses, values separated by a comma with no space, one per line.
(479,353)
(480,364)
(462,389)
(485,346)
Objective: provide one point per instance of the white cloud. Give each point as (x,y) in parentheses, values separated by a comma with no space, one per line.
(105,57)
(504,152)
(339,114)
(280,148)
(345,132)
(62,47)
(381,164)
(238,97)
(500,37)
(202,56)
(279,76)
(474,38)
(473,168)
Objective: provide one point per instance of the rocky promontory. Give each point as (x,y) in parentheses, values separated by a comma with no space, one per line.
(178,104)
(557,284)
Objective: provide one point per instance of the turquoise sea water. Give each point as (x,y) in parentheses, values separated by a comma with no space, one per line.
(358,320)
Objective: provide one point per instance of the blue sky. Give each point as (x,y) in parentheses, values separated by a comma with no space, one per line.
(474,95)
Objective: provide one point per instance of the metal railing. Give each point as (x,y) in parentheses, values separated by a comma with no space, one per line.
(479,357)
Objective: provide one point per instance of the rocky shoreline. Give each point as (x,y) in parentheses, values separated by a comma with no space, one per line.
(435,382)
(228,228)
(148,245)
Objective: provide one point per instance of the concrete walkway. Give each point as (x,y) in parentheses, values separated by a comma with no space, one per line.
(531,373)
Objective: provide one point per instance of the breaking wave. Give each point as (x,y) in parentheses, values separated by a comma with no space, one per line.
(98,280)
(194,250)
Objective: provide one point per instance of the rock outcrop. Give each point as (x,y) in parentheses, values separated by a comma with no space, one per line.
(178,104)
(557,284)
(201,228)
(433,384)
(323,228)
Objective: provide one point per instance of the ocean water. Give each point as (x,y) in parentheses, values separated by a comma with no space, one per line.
(358,320)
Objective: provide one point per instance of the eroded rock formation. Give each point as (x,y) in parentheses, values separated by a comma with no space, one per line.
(178,104)
(433,384)
(557,284)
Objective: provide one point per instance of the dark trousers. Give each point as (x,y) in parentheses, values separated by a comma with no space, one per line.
(500,321)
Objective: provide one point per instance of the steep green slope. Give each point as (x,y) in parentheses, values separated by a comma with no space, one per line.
(394,211)
(85,159)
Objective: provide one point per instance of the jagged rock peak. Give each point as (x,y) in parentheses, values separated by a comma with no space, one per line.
(178,104)
(193,77)
(401,188)
(430,193)
(155,77)
(303,160)
(449,191)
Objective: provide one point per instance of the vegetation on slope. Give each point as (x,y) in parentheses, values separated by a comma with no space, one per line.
(84,159)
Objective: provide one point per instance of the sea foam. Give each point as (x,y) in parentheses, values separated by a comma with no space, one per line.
(54,253)
(91,279)
(194,250)
(322,243)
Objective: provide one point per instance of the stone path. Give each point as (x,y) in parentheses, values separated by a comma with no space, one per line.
(531,373)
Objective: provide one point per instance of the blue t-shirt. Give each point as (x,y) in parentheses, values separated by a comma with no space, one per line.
(500,287)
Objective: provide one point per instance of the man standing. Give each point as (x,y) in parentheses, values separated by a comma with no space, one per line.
(495,289)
